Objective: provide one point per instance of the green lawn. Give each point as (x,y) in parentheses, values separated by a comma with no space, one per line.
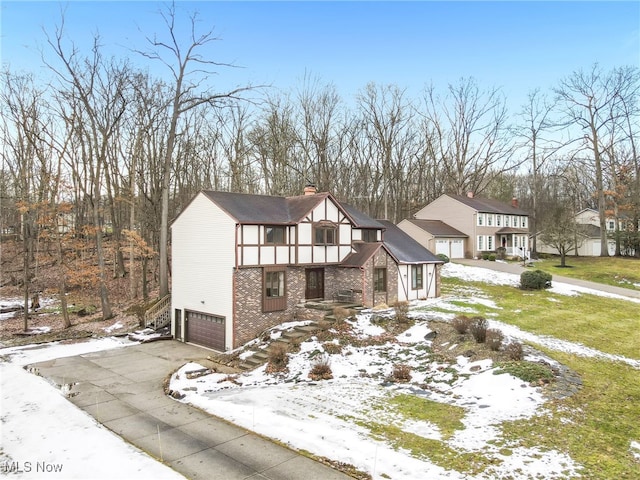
(597,425)
(616,271)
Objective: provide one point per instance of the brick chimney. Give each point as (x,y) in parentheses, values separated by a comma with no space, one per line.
(470,194)
(514,202)
(310,189)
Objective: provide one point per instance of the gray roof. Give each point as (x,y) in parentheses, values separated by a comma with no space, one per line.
(265,209)
(403,248)
(488,205)
(359,219)
(438,228)
(362,252)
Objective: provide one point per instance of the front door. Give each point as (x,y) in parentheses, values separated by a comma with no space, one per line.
(315,283)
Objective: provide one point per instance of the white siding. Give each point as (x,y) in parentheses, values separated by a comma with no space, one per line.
(304,234)
(250,234)
(304,255)
(345,234)
(250,255)
(428,289)
(203,259)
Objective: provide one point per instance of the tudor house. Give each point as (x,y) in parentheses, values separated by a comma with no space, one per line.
(468,226)
(242,263)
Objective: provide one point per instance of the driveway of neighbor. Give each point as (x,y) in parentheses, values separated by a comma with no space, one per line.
(123,389)
(518,269)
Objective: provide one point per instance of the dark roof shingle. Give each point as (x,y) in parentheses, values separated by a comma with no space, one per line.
(438,228)
(488,205)
(404,248)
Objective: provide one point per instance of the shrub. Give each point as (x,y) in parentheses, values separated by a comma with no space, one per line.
(535,280)
(321,369)
(401,373)
(443,257)
(494,339)
(485,256)
(341,314)
(461,324)
(514,351)
(478,328)
(402,311)
(332,348)
(501,253)
(492,257)
(278,357)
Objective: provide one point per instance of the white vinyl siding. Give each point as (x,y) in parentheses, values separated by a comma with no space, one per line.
(202,277)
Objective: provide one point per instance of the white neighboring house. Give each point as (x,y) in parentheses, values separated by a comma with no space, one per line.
(589,244)
(243,263)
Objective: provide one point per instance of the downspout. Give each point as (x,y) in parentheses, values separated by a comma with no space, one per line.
(233,290)
(364,291)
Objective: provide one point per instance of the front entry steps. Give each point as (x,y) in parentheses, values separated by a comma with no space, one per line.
(296,334)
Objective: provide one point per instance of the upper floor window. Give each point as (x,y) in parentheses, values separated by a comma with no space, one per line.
(274,235)
(611,225)
(416,277)
(523,222)
(380,279)
(325,234)
(498,220)
(480,219)
(506,220)
(369,235)
(489,220)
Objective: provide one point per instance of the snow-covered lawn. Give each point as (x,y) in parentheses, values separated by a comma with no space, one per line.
(328,418)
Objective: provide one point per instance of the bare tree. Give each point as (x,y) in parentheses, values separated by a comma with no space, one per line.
(189,72)
(537,123)
(95,90)
(468,135)
(593,101)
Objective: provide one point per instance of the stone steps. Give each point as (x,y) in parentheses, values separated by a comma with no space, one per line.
(297,334)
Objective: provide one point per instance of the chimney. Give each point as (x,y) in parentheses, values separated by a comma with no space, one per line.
(514,202)
(310,189)
(470,194)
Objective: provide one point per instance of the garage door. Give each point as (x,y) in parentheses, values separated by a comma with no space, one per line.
(442,247)
(452,248)
(457,249)
(205,330)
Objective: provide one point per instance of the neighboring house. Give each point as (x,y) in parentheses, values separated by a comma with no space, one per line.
(436,236)
(588,236)
(488,224)
(242,263)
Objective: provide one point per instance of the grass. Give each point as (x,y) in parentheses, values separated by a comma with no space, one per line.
(596,426)
(616,271)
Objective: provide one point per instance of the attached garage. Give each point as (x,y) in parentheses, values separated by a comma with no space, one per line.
(451,247)
(205,330)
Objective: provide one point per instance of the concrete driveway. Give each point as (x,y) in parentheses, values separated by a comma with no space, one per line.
(123,390)
(518,269)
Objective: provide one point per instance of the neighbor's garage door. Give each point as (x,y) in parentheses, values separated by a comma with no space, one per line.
(205,330)
(457,249)
(452,248)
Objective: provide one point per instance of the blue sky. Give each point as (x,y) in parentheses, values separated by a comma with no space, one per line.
(516,46)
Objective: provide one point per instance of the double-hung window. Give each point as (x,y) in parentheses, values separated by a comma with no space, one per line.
(380,279)
(416,277)
(274,235)
(274,289)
